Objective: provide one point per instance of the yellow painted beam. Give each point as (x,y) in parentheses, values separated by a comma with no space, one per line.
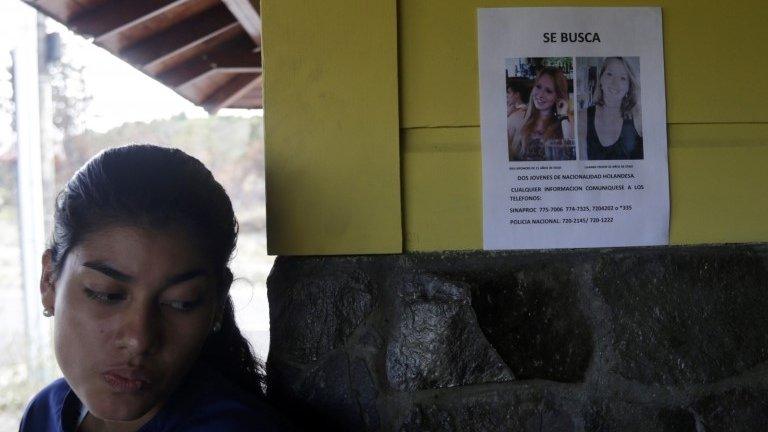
(718,178)
(718,181)
(442,200)
(331,127)
(714,53)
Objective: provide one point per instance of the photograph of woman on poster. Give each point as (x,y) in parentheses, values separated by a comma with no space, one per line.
(611,125)
(546,131)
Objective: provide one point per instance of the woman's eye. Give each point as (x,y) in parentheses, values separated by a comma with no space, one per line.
(104,297)
(182,306)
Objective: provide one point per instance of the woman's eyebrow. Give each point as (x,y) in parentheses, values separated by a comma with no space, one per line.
(108,271)
(117,275)
(183,277)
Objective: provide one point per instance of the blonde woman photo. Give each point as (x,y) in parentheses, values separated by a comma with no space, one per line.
(611,126)
(548,117)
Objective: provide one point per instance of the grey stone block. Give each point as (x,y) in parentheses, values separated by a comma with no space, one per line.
(533,319)
(435,339)
(316,304)
(616,415)
(509,409)
(688,316)
(736,410)
(365,392)
(338,394)
(644,339)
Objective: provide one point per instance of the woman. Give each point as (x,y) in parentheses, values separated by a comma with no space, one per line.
(614,124)
(136,279)
(548,116)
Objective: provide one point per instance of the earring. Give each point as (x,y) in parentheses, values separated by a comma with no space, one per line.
(47,312)
(216,326)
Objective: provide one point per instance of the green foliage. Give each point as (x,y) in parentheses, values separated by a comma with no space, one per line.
(564,63)
(70,98)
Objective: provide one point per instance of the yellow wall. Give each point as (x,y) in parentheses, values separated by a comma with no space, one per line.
(717,110)
(331,127)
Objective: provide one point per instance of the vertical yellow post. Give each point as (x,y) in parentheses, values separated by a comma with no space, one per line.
(331,127)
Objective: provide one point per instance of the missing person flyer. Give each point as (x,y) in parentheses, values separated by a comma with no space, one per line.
(573,127)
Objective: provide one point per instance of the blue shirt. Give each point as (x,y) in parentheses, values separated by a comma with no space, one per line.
(206,402)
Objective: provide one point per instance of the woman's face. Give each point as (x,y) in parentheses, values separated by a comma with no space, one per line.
(132,308)
(614,82)
(544,94)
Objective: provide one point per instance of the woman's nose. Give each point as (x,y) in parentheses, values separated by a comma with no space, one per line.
(140,330)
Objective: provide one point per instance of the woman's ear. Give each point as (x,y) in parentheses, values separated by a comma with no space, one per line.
(47,282)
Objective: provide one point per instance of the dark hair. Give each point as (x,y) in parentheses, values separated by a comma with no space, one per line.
(521,86)
(157,187)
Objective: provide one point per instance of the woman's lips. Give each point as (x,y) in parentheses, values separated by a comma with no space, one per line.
(126,380)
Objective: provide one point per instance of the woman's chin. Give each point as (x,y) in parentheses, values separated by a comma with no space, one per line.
(120,410)
(613,101)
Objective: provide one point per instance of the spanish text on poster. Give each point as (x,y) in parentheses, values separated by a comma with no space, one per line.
(573,127)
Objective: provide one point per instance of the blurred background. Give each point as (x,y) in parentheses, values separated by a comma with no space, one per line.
(75,99)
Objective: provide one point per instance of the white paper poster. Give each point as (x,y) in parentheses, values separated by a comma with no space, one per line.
(573,127)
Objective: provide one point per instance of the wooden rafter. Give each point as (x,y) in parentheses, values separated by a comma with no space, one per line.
(234,56)
(182,36)
(113,16)
(231,91)
(247,12)
(208,51)
(253,97)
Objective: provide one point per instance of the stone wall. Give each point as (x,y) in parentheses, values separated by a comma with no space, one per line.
(642,339)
